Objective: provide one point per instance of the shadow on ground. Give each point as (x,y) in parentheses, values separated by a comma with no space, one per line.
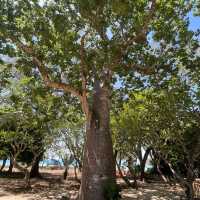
(53,187)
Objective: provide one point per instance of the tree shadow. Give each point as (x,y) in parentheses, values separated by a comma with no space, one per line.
(154,191)
(49,187)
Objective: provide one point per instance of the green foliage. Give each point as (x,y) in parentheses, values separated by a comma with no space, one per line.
(165,119)
(142,43)
(53,30)
(29,118)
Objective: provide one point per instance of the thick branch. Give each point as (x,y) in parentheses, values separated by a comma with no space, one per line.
(84,101)
(43,71)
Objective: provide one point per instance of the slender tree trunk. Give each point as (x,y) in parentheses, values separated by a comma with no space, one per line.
(143,164)
(25,171)
(79,165)
(4,164)
(10,166)
(75,173)
(131,170)
(35,169)
(98,162)
(189,191)
(161,174)
(126,180)
(27,179)
(187,183)
(65,174)
(190,179)
(66,162)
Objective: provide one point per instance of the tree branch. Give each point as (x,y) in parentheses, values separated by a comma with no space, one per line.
(43,71)
(84,101)
(139,69)
(139,37)
(142,33)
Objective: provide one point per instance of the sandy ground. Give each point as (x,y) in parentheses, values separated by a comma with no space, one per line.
(53,187)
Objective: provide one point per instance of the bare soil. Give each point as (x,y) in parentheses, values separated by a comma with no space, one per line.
(53,187)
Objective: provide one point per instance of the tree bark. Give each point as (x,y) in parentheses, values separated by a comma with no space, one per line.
(25,171)
(188,182)
(190,179)
(126,180)
(27,179)
(131,170)
(4,164)
(10,166)
(98,162)
(75,173)
(65,174)
(161,174)
(35,169)
(143,164)
(189,191)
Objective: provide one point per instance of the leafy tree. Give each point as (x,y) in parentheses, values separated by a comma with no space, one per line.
(81,47)
(129,134)
(28,102)
(167,120)
(69,143)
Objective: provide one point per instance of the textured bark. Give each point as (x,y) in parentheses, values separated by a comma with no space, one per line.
(132,172)
(35,169)
(4,164)
(143,164)
(190,179)
(10,166)
(27,179)
(98,163)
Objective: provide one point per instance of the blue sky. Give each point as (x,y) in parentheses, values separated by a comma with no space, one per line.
(194,22)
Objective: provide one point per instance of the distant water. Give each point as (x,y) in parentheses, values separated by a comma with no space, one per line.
(7,162)
(48,162)
(43,163)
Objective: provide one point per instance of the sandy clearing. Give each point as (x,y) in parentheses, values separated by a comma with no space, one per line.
(53,188)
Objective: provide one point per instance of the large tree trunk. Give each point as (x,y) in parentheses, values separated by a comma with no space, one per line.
(98,164)
(4,164)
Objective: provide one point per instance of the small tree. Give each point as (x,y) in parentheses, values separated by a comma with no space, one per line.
(70,141)
(20,142)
